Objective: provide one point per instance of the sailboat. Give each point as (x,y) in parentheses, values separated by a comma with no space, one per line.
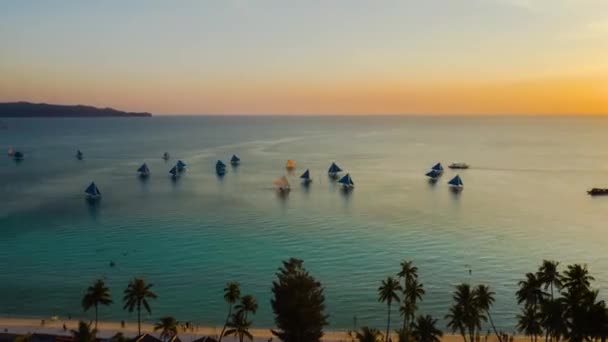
(433,175)
(143,171)
(220,168)
(456,183)
(282,184)
(166,156)
(79,155)
(437,167)
(174,173)
(291,164)
(306,177)
(11,151)
(92,192)
(235,160)
(333,171)
(181,166)
(18,156)
(347,182)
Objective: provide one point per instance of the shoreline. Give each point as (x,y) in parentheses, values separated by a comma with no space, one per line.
(106,329)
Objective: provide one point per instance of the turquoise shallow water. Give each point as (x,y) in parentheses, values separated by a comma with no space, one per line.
(524,200)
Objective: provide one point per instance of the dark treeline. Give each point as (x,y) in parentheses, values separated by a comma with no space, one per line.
(554,305)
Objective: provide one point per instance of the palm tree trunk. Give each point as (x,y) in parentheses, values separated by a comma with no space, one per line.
(96,316)
(464,334)
(138,318)
(225,323)
(388,323)
(494,327)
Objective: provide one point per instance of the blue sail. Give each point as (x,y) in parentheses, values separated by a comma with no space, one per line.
(334,168)
(235,159)
(437,167)
(173,170)
(456,181)
(92,190)
(305,175)
(346,180)
(143,168)
(220,164)
(432,174)
(181,165)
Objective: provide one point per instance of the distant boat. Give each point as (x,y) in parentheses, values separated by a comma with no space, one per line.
(181,166)
(456,183)
(433,174)
(235,160)
(437,167)
(92,192)
(282,184)
(347,182)
(11,152)
(220,168)
(18,155)
(166,156)
(174,173)
(598,192)
(291,164)
(143,171)
(333,171)
(79,155)
(458,166)
(306,177)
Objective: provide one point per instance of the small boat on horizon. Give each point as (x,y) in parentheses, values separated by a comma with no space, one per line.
(235,160)
(220,168)
(282,184)
(334,170)
(18,156)
(347,182)
(291,164)
(143,171)
(456,183)
(433,175)
(306,177)
(92,192)
(181,166)
(79,155)
(174,173)
(598,192)
(166,156)
(438,167)
(462,166)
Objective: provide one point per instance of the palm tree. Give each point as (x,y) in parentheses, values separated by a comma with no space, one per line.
(530,291)
(84,333)
(366,334)
(409,273)
(412,294)
(549,276)
(424,329)
(168,327)
(248,304)
(552,318)
(98,294)
(577,277)
(457,320)
(137,294)
(232,292)
(484,298)
(239,326)
(528,322)
(387,292)
(465,314)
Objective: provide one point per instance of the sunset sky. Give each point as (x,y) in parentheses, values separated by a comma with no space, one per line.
(309,57)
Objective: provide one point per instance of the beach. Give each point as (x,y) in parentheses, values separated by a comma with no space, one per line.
(108,329)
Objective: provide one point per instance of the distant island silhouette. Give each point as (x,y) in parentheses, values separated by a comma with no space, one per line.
(45,110)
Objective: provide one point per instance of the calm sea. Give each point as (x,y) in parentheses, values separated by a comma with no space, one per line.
(524,200)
